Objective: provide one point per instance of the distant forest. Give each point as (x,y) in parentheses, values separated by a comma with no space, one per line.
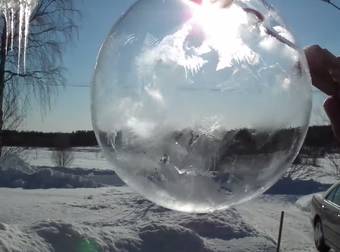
(42,139)
(317,136)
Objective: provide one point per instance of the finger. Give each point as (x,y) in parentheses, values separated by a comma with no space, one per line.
(332,108)
(320,61)
(335,74)
(329,58)
(337,61)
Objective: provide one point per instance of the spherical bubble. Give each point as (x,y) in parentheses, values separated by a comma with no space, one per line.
(200,105)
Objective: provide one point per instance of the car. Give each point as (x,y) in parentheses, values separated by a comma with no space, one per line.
(325,216)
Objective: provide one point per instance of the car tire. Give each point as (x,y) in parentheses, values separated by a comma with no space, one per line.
(319,238)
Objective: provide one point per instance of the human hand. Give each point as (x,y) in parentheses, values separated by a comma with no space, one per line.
(325,73)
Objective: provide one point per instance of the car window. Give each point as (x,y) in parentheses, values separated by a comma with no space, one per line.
(331,194)
(336,198)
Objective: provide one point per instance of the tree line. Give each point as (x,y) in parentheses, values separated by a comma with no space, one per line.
(42,139)
(317,137)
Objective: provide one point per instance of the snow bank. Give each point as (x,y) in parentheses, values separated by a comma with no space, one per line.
(14,173)
(59,236)
(225,227)
(65,237)
(12,163)
(305,202)
(169,238)
(12,239)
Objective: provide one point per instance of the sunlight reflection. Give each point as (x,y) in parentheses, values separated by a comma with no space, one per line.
(222,28)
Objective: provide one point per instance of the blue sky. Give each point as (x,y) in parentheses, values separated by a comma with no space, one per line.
(312,21)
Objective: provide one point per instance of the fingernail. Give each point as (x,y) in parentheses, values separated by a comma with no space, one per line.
(337,61)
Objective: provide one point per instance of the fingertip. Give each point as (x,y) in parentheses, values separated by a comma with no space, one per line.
(311,52)
(320,63)
(332,108)
(313,48)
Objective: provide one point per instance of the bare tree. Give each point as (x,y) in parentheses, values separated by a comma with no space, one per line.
(53,25)
(337,6)
(62,156)
(13,117)
(307,163)
(334,164)
(306,168)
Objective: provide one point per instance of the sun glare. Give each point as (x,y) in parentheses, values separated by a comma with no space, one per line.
(222,29)
(216,19)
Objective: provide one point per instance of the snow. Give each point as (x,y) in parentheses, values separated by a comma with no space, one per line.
(86,158)
(14,239)
(13,163)
(117,219)
(265,215)
(326,171)
(304,202)
(15,172)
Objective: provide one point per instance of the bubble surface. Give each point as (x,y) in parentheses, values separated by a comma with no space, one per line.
(200,106)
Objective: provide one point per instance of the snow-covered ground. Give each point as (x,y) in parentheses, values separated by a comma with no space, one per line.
(85,157)
(117,219)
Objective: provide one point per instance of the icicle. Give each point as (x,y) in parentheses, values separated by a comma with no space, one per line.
(27,26)
(20,9)
(20,29)
(12,28)
(7,28)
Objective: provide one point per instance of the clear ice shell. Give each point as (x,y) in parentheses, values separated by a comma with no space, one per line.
(198,107)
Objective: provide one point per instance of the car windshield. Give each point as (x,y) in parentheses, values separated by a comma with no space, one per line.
(330,195)
(336,198)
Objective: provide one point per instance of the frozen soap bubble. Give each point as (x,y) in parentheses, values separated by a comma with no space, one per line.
(200,105)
